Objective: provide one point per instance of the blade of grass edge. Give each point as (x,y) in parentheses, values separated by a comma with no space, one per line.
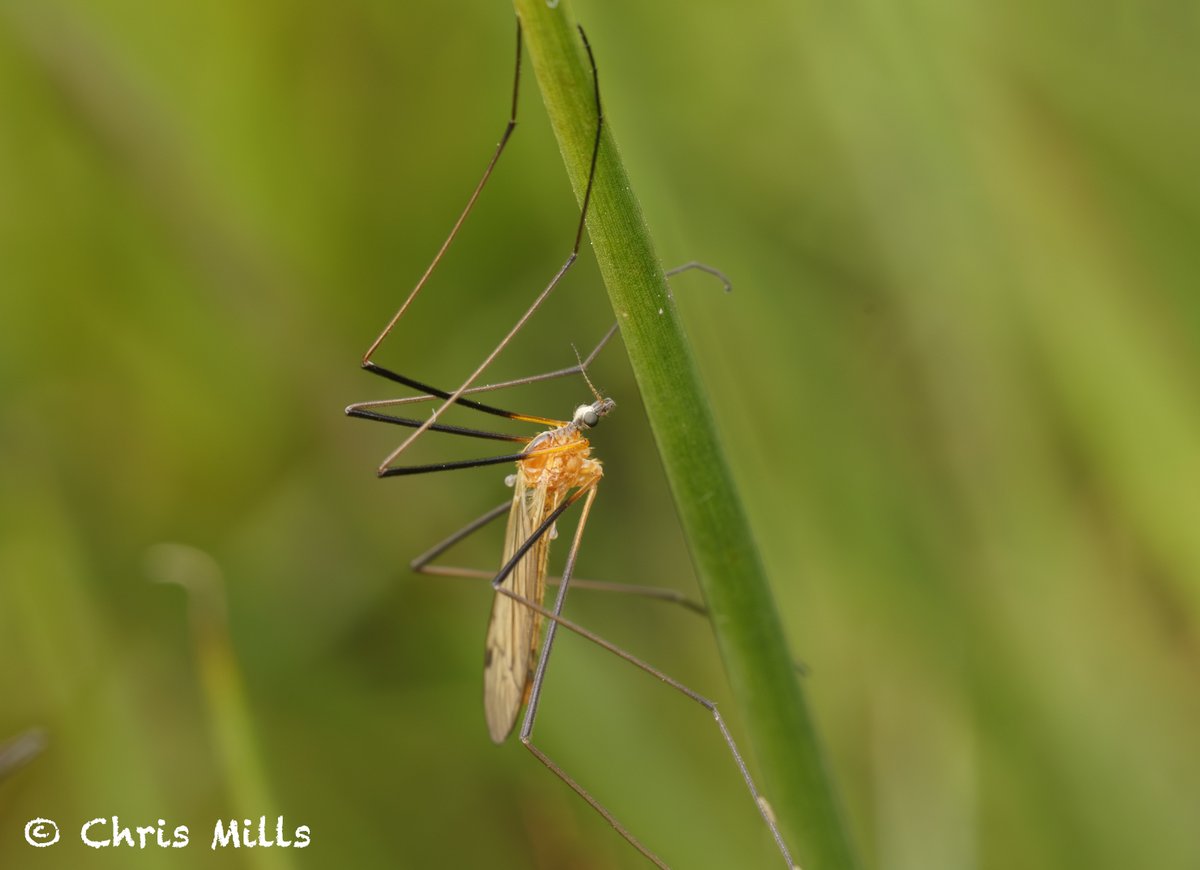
(749,634)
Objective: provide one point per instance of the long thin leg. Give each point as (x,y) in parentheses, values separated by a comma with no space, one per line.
(457,394)
(702,267)
(369,410)
(535,694)
(431,393)
(402,470)
(366,413)
(487,173)
(556,619)
(421,564)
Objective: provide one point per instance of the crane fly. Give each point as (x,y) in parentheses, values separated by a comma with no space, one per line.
(554,471)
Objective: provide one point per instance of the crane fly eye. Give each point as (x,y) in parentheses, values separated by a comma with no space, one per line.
(586,416)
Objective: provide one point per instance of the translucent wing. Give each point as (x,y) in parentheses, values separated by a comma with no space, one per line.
(513,630)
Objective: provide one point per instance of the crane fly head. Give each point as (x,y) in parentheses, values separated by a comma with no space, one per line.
(587,416)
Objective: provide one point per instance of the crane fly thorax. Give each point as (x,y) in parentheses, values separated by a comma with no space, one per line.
(568,462)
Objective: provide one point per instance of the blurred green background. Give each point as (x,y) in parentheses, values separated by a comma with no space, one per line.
(957,380)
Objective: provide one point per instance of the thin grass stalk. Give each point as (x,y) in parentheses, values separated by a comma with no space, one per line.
(760,666)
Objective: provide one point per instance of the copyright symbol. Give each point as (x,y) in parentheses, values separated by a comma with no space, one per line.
(41,833)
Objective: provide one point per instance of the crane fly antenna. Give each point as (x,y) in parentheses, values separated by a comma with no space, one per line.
(583,371)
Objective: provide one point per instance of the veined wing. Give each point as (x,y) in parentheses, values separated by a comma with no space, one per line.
(513,630)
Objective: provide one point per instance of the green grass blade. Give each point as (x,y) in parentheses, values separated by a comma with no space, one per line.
(749,633)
